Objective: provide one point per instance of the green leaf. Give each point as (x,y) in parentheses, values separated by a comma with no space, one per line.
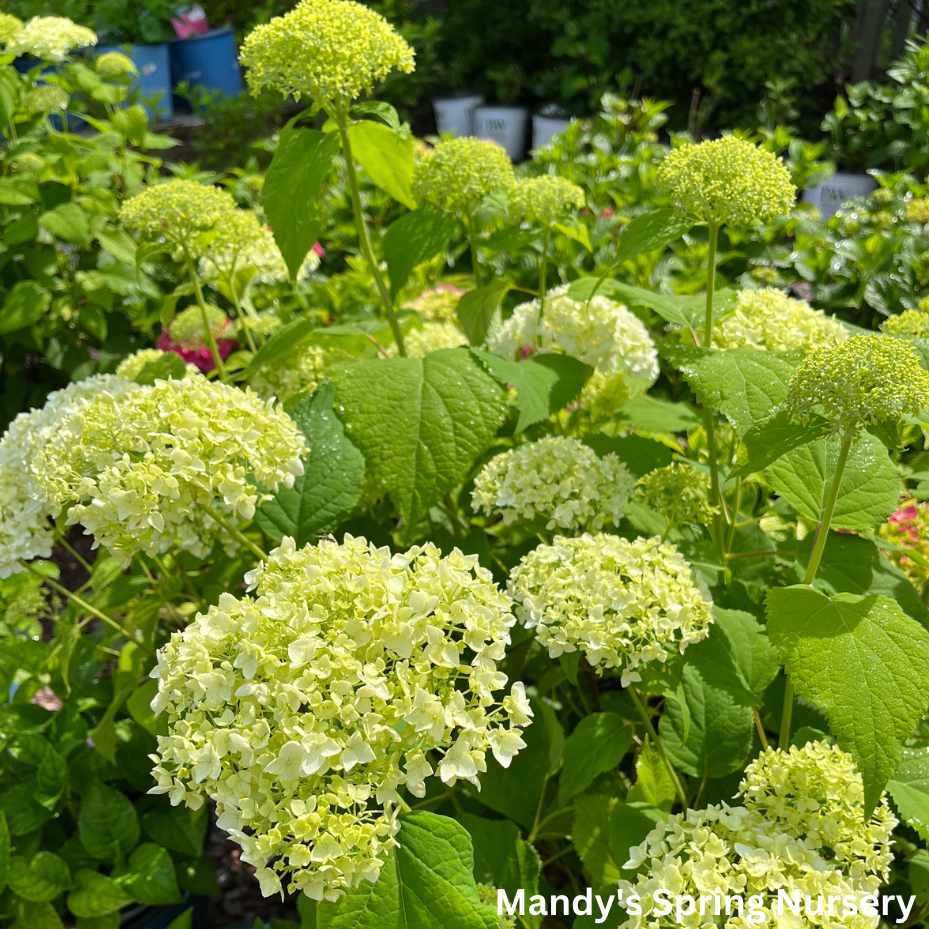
(477,309)
(544,384)
(714,660)
(292,196)
(630,824)
(577,231)
(638,454)
(414,238)
(109,921)
(387,157)
(650,232)
(107,823)
(118,243)
(67,222)
(41,878)
(139,705)
(719,739)
(25,304)
(95,894)
(35,916)
(909,788)
(150,876)
(653,785)
(332,480)
(864,663)
(184,920)
(918,874)
(773,436)
(743,384)
(420,424)
(426,883)
(598,744)
(4,850)
(501,858)
(755,657)
(177,828)
(383,111)
(870,484)
(658,416)
(515,791)
(591,835)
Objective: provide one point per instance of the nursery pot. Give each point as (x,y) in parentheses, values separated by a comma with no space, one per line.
(209,61)
(455,115)
(839,189)
(545,125)
(153,63)
(505,125)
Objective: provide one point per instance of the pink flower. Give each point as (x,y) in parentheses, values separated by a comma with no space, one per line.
(525,352)
(319,249)
(904,515)
(449,289)
(200,356)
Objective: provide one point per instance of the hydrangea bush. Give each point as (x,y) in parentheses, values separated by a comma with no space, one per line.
(437,528)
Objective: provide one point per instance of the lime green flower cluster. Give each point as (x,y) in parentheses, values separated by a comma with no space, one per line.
(604,394)
(768,319)
(545,199)
(557,479)
(142,469)
(432,337)
(910,324)
(188,331)
(133,365)
(25,508)
(488,896)
(114,64)
(865,380)
(437,305)
(10,25)
(622,603)
(801,829)
(29,163)
(51,38)
(917,211)
(349,673)
(177,211)
(679,492)
(297,372)
(908,527)
(242,243)
(330,51)
(727,181)
(44,98)
(599,332)
(458,174)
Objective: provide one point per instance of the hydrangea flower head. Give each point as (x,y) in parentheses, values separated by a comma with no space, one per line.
(297,372)
(865,380)
(769,320)
(801,830)
(604,394)
(349,672)
(600,332)
(186,336)
(140,470)
(545,199)
(29,162)
(679,492)
(432,337)
(910,324)
(458,174)
(25,508)
(115,64)
(621,603)
(917,211)
(176,211)
(330,51)
(908,527)
(727,181)
(437,305)
(44,98)
(51,38)
(10,25)
(557,479)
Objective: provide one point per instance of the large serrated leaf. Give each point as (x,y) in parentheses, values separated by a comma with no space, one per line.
(772,437)
(864,663)
(426,883)
(651,231)
(419,423)
(909,788)
(332,479)
(386,156)
(414,238)
(598,744)
(870,485)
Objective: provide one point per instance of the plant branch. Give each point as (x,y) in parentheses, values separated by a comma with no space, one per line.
(653,734)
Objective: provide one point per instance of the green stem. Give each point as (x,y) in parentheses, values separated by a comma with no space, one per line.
(472,241)
(87,608)
(710,285)
(240,316)
(214,348)
(66,545)
(236,533)
(543,270)
(822,534)
(735,514)
(653,734)
(363,238)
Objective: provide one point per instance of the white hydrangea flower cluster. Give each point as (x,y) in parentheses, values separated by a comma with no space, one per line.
(622,603)
(801,829)
(349,673)
(139,469)
(558,479)
(133,365)
(433,336)
(25,509)
(51,38)
(769,320)
(299,371)
(599,332)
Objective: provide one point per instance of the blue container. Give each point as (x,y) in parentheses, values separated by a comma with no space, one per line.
(209,61)
(153,62)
